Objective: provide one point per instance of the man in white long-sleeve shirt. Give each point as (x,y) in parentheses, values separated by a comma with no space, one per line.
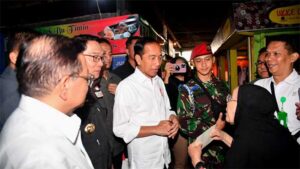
(142,115)
(43,132)
(281,55)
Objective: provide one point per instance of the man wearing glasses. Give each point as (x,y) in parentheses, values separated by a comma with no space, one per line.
(95,130)
(43,132)
(261,66)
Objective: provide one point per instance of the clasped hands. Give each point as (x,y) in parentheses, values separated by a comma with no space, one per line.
(168,127)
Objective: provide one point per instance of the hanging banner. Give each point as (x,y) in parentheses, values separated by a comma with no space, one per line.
(115,29)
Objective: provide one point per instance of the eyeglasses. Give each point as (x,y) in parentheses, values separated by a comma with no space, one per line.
(229,98)
(260,63)
(90,78)
(96,58)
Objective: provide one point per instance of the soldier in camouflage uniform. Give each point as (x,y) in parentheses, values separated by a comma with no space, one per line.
(194,106)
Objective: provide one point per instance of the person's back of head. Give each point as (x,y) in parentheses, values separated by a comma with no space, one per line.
(45,61)
(16,39)
(255,120)
(263,106)
(130,40)
(104,40)
(130,49)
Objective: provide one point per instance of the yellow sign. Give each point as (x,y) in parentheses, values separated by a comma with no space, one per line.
(286,15)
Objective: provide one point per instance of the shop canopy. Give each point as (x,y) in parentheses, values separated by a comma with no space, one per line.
(250,17)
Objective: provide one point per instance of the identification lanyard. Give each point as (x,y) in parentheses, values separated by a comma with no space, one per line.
(281,115)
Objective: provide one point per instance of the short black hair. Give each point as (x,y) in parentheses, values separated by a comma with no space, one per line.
(140,44)
(262,50)
(130,39)
(84,38)
(104,40)
(17,37)
(292,42)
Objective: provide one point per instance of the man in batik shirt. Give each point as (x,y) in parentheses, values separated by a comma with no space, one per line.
(194,106)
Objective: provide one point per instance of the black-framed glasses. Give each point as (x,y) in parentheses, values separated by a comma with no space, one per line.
(96,58)
(229,98)
(260,63)
(90,78)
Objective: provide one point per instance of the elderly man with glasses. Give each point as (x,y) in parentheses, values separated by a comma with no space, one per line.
(43,132)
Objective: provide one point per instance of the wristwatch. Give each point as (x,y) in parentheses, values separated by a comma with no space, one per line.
(200,165)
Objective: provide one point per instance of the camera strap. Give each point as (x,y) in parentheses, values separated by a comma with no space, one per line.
(199,82)
(273,94)
(213,101)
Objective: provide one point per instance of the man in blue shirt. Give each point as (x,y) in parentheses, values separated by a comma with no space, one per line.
(9,94)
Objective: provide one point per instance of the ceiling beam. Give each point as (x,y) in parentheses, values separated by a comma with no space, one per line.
(170,32)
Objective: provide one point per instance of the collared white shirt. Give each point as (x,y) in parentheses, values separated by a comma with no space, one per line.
(287,88)
(37,136)
(141,101)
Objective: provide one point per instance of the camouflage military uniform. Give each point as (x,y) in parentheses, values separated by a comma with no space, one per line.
(195,115)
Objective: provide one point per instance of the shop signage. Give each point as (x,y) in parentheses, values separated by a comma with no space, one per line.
(115,29)
(286,15)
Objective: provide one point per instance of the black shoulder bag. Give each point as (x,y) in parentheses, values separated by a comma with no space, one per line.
(216,107)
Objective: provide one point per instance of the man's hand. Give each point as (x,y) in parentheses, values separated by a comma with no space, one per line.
(164,128)
(220,124)
(112,88)
(298,110)
(175,126)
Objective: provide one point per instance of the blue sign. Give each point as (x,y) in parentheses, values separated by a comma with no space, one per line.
(118,60)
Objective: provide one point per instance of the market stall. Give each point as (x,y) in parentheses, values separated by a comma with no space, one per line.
(246,31)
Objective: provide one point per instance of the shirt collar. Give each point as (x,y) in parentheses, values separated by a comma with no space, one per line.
(51,118)
(290,79)
(141,77)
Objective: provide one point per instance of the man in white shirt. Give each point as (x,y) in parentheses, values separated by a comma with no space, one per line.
(142,115)
(281,55)
(43,132)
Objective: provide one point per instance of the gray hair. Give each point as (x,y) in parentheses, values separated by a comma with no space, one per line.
(45,61)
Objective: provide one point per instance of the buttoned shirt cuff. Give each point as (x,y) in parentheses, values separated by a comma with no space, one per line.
(171,112)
